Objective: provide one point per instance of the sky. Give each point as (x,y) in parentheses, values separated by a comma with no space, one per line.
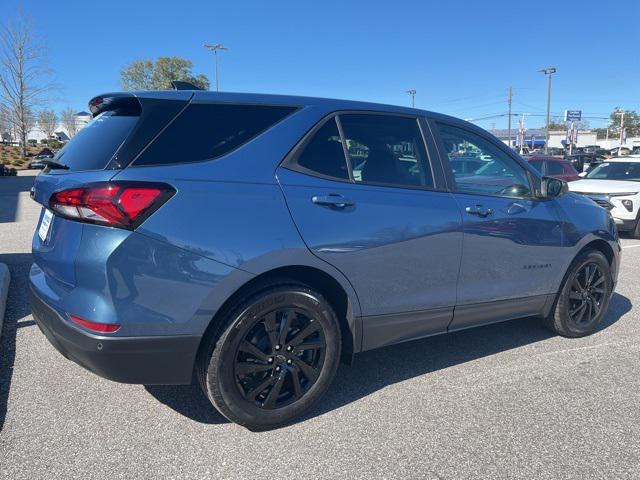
(460,56)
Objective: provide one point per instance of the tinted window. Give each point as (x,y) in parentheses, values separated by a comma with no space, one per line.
(537,164)
(386,149)
(555,168)
(206,131)
(94,145)
(499,174)
(324,153)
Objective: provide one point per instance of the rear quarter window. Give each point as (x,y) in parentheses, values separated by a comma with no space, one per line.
(94,145)
(207,131)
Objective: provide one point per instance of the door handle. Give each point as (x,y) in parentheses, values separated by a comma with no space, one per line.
(479,210)
(333,200)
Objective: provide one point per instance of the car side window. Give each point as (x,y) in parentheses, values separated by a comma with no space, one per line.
(555,168)
(499,174)
(386,149)
(324,154)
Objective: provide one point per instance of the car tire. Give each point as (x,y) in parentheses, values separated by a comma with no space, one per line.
(272,356)
(584,296)
(636,231)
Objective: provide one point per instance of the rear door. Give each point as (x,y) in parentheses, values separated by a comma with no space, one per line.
(367,199)
(512,253)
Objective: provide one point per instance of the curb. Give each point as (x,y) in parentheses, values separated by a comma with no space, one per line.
(5,278)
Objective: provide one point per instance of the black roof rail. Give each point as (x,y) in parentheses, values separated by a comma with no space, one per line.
(180,85)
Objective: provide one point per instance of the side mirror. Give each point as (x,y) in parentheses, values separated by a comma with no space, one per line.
(553,187)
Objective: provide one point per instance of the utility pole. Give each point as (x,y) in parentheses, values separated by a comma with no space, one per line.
(509,100)
(214,48)
(623,140)
(549,71)
(412,92)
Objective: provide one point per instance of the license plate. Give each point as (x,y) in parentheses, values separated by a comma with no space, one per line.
(45,225)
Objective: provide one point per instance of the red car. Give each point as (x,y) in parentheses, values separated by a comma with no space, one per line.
(554,167)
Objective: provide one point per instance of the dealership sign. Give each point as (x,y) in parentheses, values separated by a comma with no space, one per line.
(572,115)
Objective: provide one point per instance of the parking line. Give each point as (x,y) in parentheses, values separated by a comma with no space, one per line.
(630,246)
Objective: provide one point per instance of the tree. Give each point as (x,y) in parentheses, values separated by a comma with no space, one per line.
(48,122)
(559,124)
(149,75)
(23,76)
(68,118)
(631,122)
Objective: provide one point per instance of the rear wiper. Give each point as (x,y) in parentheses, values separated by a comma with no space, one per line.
(53,165)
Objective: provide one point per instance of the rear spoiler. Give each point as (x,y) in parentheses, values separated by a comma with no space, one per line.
(125,103)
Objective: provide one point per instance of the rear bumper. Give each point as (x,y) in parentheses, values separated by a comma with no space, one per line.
(156,360)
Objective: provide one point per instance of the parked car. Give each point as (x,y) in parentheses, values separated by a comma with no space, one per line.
(620,151)
(556,152)
(37,162)
(256,240)
(554,167)
(615,185)
(591,148)
(7,171)
(583,161)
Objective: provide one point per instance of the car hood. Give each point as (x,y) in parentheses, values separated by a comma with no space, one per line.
(604,186)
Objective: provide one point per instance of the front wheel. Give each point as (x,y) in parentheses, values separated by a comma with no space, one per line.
(277,353)
(636,231)
(584,297)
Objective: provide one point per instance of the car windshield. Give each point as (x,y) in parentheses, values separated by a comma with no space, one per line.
(616,171)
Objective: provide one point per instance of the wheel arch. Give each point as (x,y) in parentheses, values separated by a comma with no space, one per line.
(602,246)
(342,299)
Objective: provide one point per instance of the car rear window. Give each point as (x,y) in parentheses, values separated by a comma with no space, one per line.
(94,145)
(207,131)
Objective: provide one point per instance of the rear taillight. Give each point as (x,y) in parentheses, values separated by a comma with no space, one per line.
(117,204)
(93,326)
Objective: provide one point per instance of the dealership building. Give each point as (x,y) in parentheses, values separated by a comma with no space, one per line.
(535,137)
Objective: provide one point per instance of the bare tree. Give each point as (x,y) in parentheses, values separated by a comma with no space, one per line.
(68,118)
(23,76)
(48,122)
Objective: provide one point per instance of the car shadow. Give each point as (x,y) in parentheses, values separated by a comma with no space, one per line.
(379,368)
(187,400)
(16,309)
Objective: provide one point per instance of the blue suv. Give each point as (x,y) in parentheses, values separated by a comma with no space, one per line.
(254,241)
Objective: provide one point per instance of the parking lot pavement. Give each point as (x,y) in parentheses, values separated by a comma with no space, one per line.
(502,401)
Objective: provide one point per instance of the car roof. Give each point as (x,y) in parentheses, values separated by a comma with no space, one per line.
(276,99)
(626,158)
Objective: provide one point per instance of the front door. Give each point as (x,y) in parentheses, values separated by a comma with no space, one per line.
(377,215)
(512,250)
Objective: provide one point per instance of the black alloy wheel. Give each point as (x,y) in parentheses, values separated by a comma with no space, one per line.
(280,358)
(273,356)
(587,294)
(584,296)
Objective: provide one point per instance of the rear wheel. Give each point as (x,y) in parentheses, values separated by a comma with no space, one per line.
(584,296)
(274,357)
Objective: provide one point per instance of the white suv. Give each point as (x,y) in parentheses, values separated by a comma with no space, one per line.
(615,185)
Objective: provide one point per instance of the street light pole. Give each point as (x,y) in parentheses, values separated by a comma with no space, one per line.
(509,101)
(214,48)
(412,92)
(549,71)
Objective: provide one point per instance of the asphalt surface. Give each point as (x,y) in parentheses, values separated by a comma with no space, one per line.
(503,401)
